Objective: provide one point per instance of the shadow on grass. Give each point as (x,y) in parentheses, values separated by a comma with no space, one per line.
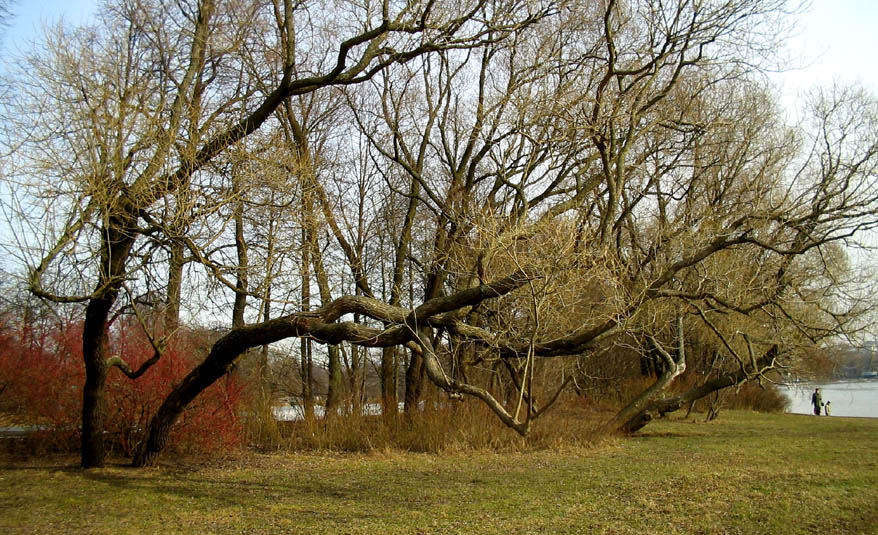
(662,434)
(13,466)
(336,496)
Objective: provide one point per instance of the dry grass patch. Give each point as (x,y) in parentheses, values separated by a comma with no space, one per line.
(745,473)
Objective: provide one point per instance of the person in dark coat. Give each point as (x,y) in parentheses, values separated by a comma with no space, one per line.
(817,401)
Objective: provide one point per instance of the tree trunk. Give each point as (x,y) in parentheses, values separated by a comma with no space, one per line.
(307,366)
(221,358)
(115,250)
(335,386)
(219,361)
(305,345)
(241,280)
(94,352)
(673,367)
(414,373)
(264,366)
(665,406)
(414,381)
(175,284)
(356,382)
(388,383)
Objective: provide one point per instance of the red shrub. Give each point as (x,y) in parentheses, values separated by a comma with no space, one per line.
(42,372)
(43,375)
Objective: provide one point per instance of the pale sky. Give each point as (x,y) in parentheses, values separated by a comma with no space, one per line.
(836,39)
(28,17)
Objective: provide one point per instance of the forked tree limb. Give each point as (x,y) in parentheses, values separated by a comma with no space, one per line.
(674,366)
(321,326)
(124,367)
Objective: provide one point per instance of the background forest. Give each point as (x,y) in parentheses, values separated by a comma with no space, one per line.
(220,206)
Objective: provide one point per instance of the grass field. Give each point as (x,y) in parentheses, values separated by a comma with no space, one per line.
(744,473)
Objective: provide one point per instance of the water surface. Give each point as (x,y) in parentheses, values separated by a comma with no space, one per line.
(854,398)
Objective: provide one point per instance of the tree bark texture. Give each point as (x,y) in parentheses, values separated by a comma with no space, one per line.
(94,352)
(414,381)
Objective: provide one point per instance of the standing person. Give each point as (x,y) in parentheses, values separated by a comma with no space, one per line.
(826,408)
(817,401)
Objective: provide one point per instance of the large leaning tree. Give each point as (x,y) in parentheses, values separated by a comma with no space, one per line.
(491,189)
(605,172)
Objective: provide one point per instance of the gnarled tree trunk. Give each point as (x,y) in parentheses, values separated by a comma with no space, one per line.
(95,338)
(665,406)
(673,367)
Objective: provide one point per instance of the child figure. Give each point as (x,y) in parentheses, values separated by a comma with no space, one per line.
(827,409)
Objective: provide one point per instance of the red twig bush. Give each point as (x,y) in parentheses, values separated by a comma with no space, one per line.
(41,378)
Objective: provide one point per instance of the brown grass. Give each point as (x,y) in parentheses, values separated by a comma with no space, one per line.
(745,473)
(453,427)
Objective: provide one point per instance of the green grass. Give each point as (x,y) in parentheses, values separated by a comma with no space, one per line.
(745,473)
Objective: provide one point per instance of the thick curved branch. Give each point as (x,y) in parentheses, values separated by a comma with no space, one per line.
(423,337)
(117,362)
(674,367)
(467,298)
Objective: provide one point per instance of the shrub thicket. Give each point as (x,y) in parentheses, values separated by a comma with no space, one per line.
(41,377)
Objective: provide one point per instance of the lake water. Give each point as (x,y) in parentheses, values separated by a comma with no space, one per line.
(854,398)
(296,413)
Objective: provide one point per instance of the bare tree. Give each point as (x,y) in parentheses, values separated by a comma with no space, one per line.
(156,107)
(617,202)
